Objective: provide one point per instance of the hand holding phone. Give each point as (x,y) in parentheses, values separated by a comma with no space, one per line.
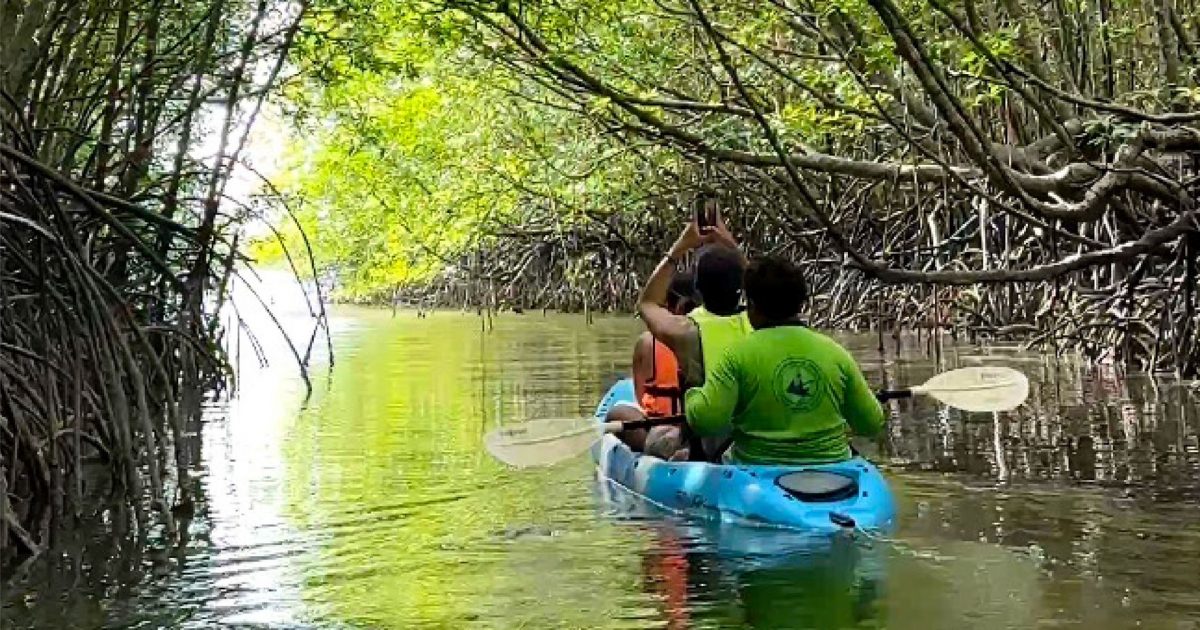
(711,225)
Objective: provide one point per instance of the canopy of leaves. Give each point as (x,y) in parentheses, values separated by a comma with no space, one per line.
(410,157)
(915,142)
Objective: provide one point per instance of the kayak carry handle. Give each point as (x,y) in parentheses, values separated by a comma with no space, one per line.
(842,520)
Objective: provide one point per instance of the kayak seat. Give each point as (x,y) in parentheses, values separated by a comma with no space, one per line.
(818,486)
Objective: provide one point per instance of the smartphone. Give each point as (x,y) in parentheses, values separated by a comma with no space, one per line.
(704,212)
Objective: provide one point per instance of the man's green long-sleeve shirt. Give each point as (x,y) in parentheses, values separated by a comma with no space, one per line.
(788,393)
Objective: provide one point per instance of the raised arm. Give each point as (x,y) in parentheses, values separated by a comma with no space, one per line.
(667,327)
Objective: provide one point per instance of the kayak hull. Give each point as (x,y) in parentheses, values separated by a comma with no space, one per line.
(748,494)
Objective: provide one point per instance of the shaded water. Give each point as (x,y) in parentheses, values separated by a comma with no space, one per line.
(373,505)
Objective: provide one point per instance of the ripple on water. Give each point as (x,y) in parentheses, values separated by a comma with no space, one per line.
(372,505)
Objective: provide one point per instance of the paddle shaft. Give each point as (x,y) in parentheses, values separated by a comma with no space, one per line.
(616,426)
(885,395)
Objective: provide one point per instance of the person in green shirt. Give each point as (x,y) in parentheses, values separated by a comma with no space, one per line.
(699,338)
(787,392)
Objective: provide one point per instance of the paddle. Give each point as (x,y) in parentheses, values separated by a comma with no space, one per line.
(984,388)
(546,442)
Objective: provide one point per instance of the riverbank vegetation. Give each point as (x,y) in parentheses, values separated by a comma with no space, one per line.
(1006,169)
(120,124)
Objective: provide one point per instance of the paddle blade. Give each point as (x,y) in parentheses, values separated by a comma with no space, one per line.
(985,388)
(542,442)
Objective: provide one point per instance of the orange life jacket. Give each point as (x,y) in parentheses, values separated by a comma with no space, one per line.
(661,394)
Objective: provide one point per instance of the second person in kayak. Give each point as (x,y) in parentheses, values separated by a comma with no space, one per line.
(657,391)
(702,337)
(787,392)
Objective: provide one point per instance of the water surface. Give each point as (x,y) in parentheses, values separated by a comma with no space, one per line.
(373,505)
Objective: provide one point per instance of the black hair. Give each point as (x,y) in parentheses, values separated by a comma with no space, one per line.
(719,278)
(681,296)
(775,287)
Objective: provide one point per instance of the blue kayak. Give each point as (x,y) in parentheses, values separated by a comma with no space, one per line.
(821,499)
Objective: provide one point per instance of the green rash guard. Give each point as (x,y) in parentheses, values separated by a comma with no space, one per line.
(789,393)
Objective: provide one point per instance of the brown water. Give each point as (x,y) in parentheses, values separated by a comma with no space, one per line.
(373,505)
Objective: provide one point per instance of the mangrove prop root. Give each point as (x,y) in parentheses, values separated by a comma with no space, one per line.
(114,246)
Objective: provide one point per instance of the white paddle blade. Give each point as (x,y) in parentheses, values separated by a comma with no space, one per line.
(542,442)
(984,388)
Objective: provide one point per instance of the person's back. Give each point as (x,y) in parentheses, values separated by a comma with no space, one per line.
(659,394)
(786,391)
(717,335)
(796,390)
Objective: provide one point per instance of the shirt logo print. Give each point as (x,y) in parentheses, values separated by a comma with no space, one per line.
(799,384)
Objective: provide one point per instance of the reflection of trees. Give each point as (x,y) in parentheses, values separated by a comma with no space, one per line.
(417,525)
(1098,562)
(1080,424)
(1102,563)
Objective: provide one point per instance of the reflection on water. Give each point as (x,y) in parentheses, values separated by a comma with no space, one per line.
(1079,426)
(373,505)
